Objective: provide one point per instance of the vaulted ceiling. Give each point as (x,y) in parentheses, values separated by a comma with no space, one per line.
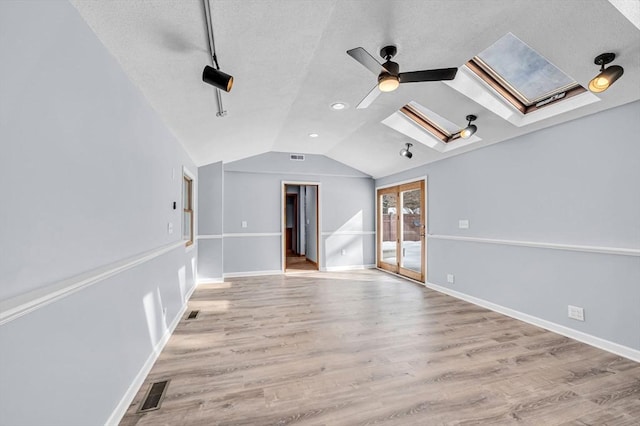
(289,64)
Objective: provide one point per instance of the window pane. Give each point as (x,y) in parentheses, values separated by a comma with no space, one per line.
(185,193)
(389,227)
(411,227)
(186,226)
(528,72)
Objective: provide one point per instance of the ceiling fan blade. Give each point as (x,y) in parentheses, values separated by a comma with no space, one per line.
(362,56)
(428,75)
(371,96)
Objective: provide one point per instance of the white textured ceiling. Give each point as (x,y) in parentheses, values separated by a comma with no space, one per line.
(289,64)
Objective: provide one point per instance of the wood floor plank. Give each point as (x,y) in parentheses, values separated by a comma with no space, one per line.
(365,347)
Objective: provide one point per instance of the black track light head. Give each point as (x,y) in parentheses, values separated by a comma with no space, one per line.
(405,151)
(217,78)
(607,76)
(468,131)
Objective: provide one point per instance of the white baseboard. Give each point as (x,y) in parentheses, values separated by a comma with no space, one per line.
(347,268)
(209,280)
(252,273)
(126,400)
(616,348)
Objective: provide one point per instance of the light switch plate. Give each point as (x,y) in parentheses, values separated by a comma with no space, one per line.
(170,228)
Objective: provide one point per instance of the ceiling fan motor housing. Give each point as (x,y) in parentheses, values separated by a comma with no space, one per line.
(391,68)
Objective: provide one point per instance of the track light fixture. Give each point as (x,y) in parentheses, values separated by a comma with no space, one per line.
(217,78)
(468,131)
(210,75)
(405,151)
(608,76)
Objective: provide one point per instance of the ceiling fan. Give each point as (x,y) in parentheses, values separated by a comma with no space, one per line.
(389,75)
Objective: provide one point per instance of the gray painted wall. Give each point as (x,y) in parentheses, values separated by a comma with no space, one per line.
(88,175)
(210,215)
(210,188)
(252,193)
(576,183)
(311,213)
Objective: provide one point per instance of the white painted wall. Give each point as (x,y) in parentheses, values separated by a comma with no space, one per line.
(88,175)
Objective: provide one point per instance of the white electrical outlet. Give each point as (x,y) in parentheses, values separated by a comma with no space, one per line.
(170,228)
(450,278)
(344,252)
(463,224)
(576,312)
(244,223)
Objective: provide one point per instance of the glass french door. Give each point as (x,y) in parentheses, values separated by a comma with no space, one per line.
(401,230)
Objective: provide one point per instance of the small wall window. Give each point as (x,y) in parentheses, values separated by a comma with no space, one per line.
(187,207)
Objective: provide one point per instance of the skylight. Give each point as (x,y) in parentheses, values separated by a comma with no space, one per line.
(513,80)
(425,126)
(521,75)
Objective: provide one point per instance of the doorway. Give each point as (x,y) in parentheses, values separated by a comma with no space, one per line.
(300,226)
(401,230)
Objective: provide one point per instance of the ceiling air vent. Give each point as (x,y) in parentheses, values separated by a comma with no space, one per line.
(297,157)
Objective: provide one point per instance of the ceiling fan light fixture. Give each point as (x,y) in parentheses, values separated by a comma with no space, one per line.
(606,77)
(405,151)
(388,82)
(217,78)
(469,131)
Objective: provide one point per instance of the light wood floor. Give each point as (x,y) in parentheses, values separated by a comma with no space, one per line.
(365,347)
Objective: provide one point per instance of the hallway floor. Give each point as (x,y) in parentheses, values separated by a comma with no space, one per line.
(299,263)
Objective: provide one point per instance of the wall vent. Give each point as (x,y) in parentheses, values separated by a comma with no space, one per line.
(193,315)
(297,157)
(154,396)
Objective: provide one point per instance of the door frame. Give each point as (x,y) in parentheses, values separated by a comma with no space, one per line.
(425,206)
(283,217)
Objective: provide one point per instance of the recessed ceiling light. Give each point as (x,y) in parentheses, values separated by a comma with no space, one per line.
(338,105)
(313,135)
